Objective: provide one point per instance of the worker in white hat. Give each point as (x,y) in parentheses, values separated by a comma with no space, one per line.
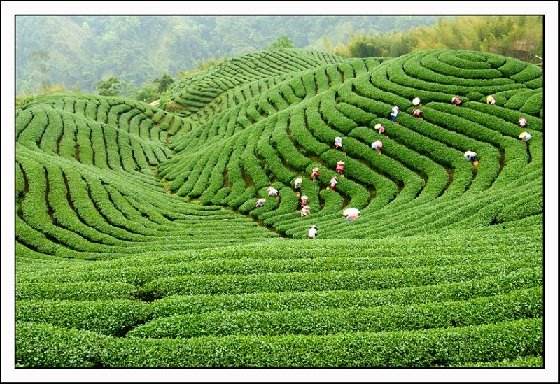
(351,214)
(377,145)
(312,232)
(525,136)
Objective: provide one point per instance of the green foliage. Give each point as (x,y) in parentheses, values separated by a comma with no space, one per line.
(290,301)
(163,83)
(528,361)
(107,317)
(46,346)
(137,230)
(282,42)
(369,319)
(147,93)
(533,105)
(314,281)
(508,340)
(74,291)
(112,86)
(517,36)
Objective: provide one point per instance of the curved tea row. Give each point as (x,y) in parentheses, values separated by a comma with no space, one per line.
(137,228)
(231,157)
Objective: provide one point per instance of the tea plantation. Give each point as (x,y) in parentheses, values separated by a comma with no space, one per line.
(139,243)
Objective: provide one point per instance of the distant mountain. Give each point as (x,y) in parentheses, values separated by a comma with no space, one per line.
(78,51)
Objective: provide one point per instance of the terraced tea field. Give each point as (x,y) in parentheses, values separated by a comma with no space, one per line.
(139,242)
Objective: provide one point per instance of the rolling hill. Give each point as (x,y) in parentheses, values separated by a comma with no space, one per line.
(139,243)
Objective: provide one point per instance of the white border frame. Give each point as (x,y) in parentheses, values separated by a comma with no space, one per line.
(548,8)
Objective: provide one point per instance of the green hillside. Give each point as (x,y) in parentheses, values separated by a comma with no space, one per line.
(139,244)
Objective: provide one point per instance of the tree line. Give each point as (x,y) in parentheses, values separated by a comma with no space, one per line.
(516,36)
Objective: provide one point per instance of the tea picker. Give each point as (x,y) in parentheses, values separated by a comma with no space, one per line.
(312,232)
